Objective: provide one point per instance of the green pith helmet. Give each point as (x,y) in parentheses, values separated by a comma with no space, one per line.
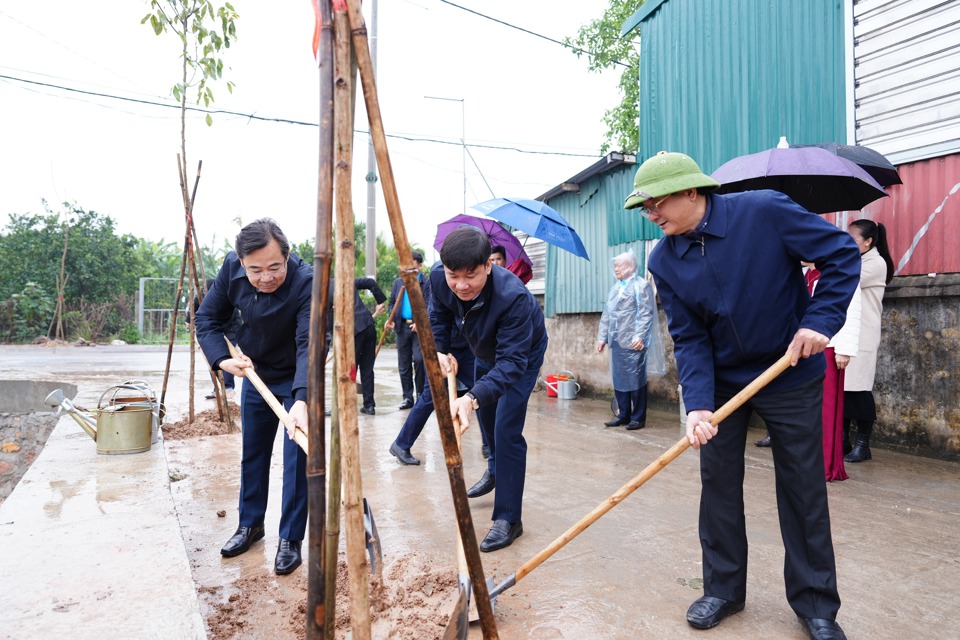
(667,173)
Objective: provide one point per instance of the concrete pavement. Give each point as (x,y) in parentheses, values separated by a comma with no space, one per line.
(94,545)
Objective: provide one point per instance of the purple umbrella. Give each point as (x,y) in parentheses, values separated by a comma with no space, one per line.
(494,230)
(812,177)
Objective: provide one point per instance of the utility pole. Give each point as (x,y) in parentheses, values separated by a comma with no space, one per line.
(371,243)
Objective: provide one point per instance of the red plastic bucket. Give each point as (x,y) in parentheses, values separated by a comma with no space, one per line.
(551,386)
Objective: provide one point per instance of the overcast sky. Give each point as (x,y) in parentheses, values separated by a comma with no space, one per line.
(119,158)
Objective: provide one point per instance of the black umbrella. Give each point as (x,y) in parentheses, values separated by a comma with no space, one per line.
(870,160)
(812,177)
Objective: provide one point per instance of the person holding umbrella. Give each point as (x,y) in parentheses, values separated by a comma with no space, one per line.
(728,275)
(504,328)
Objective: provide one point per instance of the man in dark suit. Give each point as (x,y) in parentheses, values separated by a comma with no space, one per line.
(365,338)
(409,356)
(273,287)
(504,328)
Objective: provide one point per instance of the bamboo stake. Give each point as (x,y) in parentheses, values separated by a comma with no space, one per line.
(321,582)
(344,327)
(331,541)
(409,272)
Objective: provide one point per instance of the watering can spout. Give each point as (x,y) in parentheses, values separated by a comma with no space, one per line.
(56,399)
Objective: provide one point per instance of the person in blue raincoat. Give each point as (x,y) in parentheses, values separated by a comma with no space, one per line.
(630,326)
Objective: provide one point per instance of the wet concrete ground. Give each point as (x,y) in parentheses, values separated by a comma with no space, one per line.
(79,554)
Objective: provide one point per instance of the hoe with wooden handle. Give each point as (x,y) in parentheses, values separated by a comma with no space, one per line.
(374,548)
(666,458)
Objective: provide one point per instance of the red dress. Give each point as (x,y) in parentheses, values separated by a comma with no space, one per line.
(832,406)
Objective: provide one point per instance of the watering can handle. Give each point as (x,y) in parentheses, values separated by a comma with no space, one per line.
(572,376)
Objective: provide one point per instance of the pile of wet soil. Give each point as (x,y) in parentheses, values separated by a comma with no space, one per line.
(205,423)
(412,602)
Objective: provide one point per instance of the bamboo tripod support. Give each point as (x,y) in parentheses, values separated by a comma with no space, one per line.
(409,271)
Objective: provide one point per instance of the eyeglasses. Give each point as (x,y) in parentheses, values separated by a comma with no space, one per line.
(646,208)
(272,272)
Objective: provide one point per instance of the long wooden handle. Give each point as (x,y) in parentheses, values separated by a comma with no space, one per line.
(651,470)
(452,396)
(298,435)
(389,320)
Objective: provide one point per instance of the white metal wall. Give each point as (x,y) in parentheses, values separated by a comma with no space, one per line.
(907,77)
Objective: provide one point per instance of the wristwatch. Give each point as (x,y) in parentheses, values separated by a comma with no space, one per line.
(473,399)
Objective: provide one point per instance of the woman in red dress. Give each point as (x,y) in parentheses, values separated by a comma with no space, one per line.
(842,347)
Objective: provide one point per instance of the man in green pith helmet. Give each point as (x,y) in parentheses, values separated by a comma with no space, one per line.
(728,275)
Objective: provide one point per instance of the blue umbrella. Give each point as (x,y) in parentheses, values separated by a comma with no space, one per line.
(536,219)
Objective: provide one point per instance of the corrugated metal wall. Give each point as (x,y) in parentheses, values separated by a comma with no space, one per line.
(575,285)
(722,79)
(922,217)
(907,77)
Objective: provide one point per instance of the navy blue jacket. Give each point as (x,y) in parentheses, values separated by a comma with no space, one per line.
(501,328)
(275,333)
(734,302)
(362,318)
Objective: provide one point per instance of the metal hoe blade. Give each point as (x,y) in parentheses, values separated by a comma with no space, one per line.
(374,550)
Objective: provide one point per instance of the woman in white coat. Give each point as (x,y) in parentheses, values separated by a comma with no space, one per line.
(876,271)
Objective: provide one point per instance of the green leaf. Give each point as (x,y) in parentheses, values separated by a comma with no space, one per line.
(209,120)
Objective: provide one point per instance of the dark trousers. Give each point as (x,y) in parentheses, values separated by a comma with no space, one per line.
(409,361)
(793,418)
(501,424)
(423,408)
(632,405)
(365,349)
(259,433)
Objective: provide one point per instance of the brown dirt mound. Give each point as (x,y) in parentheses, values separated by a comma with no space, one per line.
(412,602)
(205,423)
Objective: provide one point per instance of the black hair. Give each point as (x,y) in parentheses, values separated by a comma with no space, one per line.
(465,248)
(498,248)
(418,257)
(875,231)
(258,234)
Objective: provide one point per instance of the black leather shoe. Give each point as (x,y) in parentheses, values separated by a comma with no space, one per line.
(288,556)
(501,534)
(484,486)
(707,612)
(403,455)
(823,629)
(241,541)
(406,404)
(763,442)
(616,422)
(370,411)
(634,425)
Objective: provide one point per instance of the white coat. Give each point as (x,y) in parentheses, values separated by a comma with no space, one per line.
(862,370)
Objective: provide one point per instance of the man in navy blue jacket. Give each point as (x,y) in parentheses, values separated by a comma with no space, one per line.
(503,326)
(728,275)
(272,289)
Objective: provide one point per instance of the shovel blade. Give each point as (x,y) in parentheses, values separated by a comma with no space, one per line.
(374,550)
(459,624)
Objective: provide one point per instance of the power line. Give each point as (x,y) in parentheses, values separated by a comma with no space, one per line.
(527,31)
(252,116)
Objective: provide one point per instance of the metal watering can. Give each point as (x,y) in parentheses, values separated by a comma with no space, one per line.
(563,385)
(119,427)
